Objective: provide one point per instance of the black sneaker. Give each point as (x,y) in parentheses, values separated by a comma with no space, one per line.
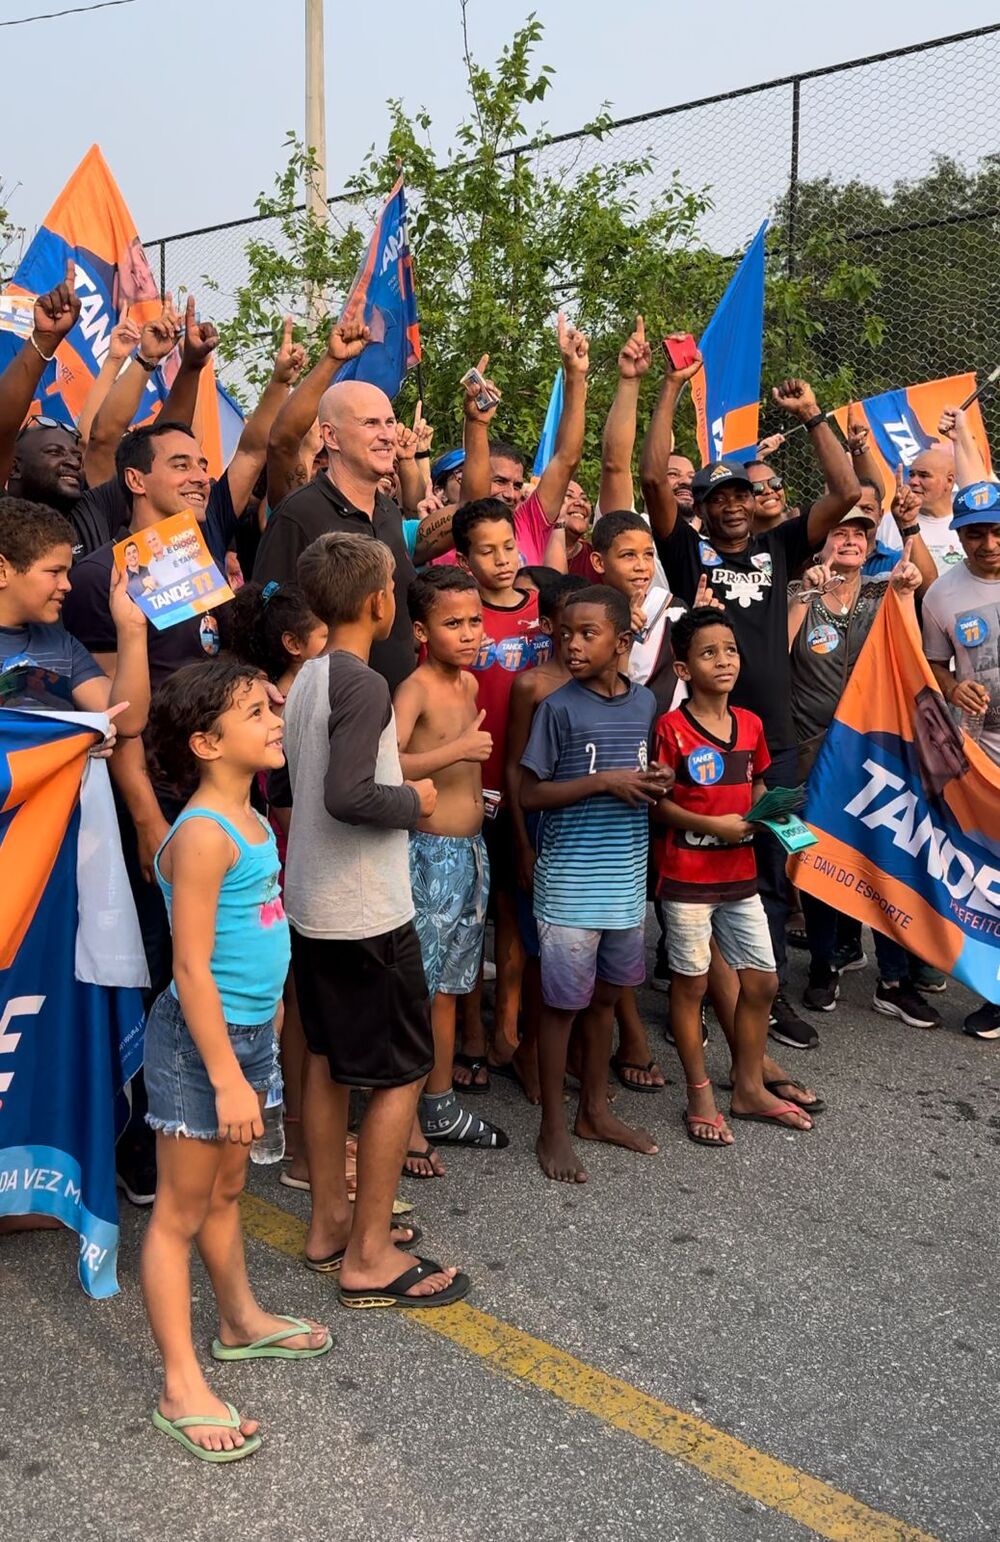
(136,1176)
(820,995)
(983,1023)
(849,956)
(926,978)
(660,980)
(787,1027)
(668,1032)
(902,1001)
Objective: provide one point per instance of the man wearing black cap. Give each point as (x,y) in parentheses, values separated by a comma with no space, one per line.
(749,574)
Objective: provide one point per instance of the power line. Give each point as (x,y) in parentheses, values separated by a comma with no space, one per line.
(102,5)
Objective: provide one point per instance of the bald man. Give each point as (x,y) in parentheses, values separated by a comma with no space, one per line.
(932,479)
(358,429)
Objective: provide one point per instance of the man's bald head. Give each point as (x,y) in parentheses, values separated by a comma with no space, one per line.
(358,427)
(932,478)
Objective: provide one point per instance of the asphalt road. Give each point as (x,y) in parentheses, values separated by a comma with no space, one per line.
(828,1299)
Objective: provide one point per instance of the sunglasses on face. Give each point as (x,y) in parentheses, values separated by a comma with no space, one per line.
(774,483)
(34,423)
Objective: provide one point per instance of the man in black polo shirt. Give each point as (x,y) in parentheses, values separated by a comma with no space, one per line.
(358,427)
(749,575)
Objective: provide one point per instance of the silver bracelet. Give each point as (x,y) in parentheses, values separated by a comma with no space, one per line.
(48,357)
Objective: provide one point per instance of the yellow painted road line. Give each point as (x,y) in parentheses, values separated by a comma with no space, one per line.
(823,1509)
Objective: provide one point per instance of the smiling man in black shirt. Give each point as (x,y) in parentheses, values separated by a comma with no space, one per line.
(358,427)
(749,574)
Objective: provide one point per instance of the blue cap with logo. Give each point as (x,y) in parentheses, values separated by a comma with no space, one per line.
(977,504)
(446,464)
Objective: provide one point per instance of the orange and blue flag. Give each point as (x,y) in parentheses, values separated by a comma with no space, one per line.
(384,288)
(90,223)
(726,393)
(67,1048)
(905,811)
(902,423)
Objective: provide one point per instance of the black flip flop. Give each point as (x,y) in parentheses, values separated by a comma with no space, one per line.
(789,1081)
(473,1064)
(426,1155)
(618,1066)
(331,1264)
(394,1294)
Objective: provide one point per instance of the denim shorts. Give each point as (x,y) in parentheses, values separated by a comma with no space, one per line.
(181,1097)
(574,958)
(738,926)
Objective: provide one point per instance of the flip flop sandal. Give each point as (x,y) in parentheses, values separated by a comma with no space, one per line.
(425,1155)
(394,1294)
(690,1120)
(775,1118)
(294,1183)
(473,1064)
(815,1107)
(269,1348)
(785,1081)
(618,1066)
(175,1429)
(796,937)
(331,1264)
(499,1141)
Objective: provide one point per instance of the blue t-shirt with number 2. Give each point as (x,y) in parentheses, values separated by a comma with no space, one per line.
(591,869)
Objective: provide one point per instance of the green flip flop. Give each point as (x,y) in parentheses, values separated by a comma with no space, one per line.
(269,1348)
(175,1429)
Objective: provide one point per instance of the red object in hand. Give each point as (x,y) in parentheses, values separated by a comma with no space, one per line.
(681,351)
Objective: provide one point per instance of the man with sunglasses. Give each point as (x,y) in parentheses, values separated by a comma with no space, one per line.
(749,574)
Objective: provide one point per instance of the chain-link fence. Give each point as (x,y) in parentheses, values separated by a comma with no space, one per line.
(893,161)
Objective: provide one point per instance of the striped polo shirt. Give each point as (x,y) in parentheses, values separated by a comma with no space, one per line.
(591,869)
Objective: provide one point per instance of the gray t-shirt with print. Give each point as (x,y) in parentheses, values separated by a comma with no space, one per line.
(962,622)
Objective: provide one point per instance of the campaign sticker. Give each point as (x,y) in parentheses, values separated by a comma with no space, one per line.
(971,629)
(823,639)
(486,654)
(541,647)
(208,635)
(709,556)
(761,562)
(705,766)
(513,653)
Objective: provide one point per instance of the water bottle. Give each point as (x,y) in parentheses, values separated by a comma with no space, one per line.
(972,725)
(270,1147)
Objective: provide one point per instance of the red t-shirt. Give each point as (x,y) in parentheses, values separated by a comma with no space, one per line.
(581,563)
(712,778)
(512,641)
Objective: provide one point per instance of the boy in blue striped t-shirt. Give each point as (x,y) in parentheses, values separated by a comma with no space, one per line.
(586,771)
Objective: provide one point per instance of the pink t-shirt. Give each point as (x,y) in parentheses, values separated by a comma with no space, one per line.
(532,532)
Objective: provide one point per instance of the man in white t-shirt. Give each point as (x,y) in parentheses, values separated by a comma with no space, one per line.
(931,485)
(961,624)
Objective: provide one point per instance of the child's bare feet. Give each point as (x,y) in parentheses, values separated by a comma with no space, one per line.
(557,1158)
(601,1124)
(199,1399)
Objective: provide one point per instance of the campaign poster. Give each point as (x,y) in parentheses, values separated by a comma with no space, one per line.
(169,571)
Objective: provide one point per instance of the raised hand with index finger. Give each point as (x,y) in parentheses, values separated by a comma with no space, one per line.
(704,595)
(290,357)
(350,337)
(56,313)
(200,338)
(636,355)
(574,347)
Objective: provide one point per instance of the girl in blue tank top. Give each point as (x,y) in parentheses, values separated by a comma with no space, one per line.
(210,1042)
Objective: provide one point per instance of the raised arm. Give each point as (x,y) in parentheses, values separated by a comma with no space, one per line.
(561,469)
(297,413)
(657,493)
(477,479)
(124,337)
(251,452)
(200,341)
(905,508)
(157,340)
(412,482)
(55,315)
(843,491)
(969,464)
(860,450)
(618,441)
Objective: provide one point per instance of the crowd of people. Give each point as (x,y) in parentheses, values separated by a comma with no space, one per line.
(448,693)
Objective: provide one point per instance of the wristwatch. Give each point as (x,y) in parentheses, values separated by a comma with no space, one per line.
(909,530)
(148,364)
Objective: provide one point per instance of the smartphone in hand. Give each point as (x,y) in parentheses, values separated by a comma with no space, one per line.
(486,397)
(681,351)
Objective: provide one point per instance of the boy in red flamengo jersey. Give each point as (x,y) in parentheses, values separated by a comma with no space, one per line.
(512,641)
(707,875)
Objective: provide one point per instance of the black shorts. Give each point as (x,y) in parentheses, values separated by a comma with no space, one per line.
(364,1006)
(498,833)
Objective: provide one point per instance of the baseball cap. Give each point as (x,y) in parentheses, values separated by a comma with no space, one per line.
(977,504)
(446,463)
(718,473)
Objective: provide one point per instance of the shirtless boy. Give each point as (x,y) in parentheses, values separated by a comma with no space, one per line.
(441,736)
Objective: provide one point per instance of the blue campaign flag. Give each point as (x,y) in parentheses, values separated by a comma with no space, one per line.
(726,393)
(384,287)
(547,443)
(67,1049)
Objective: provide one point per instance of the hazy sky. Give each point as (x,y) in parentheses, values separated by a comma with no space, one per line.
(190,100)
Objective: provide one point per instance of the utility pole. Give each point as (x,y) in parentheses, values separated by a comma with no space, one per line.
(316,136)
